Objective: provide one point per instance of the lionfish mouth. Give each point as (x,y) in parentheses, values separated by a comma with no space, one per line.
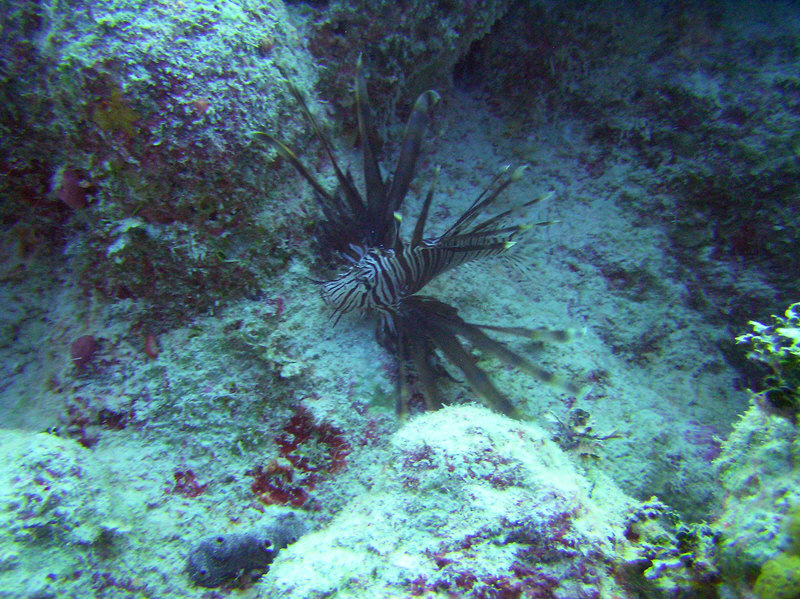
(387,272)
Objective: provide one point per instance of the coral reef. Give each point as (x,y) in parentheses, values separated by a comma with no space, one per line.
(309,452)
(411,46)
(666,557)
(779,578)
(758,464)
(75,523)
(665,85)
(161,320)
(475,505)
(186,484)
(755,470)
(146,145)
(778,347)
(53,496)
(83,350)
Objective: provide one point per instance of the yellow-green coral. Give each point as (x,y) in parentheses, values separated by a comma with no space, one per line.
(114,115)
(780,578)
(793,528)
(778,346)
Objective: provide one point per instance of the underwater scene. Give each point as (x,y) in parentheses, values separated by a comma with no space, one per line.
(488,299)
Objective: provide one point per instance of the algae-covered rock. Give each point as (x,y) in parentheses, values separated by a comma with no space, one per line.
(56,509)
(472,503)
(411,46)
(136,118)
(758,464)
(756,469)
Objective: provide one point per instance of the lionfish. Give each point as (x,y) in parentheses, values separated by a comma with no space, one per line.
(386,273)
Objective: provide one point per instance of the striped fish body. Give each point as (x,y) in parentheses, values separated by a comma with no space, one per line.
(381,279)
(386,272)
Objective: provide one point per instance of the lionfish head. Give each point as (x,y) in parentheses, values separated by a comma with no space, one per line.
(359,287)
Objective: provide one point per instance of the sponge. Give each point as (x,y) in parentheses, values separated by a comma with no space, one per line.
(222,558)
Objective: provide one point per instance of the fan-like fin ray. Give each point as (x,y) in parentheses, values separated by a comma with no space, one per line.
(486,344)
(472,238)
(373,181)
(450,346)
(435,320)
(512,211)
(491,192)
(420,356)
(419,228)
(287,154)
(346,183)
(538,333)
(410,149)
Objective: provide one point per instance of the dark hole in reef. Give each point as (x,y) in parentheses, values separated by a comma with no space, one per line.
(467,72)
(112,420)
(322,4)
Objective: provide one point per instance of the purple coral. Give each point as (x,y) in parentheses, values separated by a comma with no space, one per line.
(83,350)
(70,190)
